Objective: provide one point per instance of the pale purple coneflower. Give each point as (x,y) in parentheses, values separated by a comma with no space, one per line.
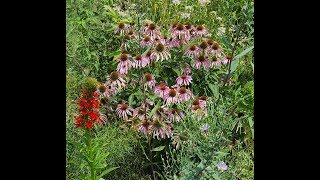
(106,90)
(174,114)
(124,63)
(144,127)
(146,59)
(191,29)
(202,61)
(184,94)
(116,80)
(146,42)
(184,79)
(153,31)
(121,29)
(204,48)
(203,101)
(161,90)
(226,59)
(200,112)
(137,61)
(174,42)
(141,112)
(160,52)
(215,49)
(123,68)
(133,34)
(187,69)
(173,28)
(201,30)
(123,110)
(162,40)
(216,62)
(150,81)
(171,97)
(181,32)
(193,51)
(161,112)
(124,45)
(158,129)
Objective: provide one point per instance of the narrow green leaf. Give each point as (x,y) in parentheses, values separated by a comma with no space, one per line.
(244,52)
(160,148)
(154,109)
(235,61)
(144,53)
(250,121)
(107,171)
(216,176)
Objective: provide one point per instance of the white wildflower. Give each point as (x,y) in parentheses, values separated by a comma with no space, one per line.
(189,8)
(185,15)
(176,2)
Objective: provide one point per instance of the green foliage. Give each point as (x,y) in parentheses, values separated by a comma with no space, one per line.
(92,48)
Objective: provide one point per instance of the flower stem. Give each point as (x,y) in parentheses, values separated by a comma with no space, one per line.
(150,157)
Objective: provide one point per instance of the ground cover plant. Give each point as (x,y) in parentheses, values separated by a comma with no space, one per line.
(159,89)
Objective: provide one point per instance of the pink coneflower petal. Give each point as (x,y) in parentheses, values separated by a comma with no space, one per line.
(137,61)
(181,32)
(161,90)
(192,51)
(124,63)
(184,79)
(202,61)
(175,115)
(121,29)
(171,97)
(226,59)
(216,62)
(146,42)
(141,113)
(146,59)
(201,30)
(116,80)
(160,53)
(187,69)
(144,127)
(123,110)
(216,50)
(150,81)
(153,31)
(184,94)
(174,42)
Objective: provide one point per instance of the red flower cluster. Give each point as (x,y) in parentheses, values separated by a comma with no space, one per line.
(88,111)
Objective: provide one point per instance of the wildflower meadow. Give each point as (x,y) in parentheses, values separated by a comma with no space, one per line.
(160,89)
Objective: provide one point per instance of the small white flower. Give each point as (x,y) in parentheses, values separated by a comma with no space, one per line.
(221,31)
(219,18)
(204,2)
(185,15)
(209,35)
(189,8)
(176,2)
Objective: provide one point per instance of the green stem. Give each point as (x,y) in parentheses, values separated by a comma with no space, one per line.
(150,157)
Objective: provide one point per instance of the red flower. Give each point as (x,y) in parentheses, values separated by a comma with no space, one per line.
(78,122)
(93,115)
(88,110)
(94,103)
(83,112)
(89,125)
